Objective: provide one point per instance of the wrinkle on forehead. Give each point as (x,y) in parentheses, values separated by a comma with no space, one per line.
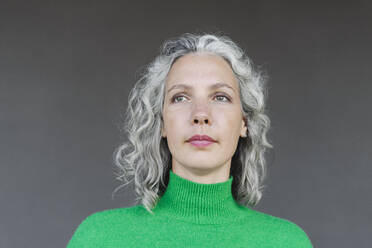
(195,67)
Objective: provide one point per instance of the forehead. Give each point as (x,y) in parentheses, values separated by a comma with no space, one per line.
(201,70)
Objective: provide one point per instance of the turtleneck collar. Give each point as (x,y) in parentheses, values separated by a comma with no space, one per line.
(199,203)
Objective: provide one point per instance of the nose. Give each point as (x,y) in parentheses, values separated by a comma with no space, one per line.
(201,119)
(200,114)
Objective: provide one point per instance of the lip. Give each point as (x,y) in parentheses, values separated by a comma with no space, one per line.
(201,143)
(198,137)
(201,140)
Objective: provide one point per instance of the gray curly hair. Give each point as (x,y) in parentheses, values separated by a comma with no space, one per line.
(146,155)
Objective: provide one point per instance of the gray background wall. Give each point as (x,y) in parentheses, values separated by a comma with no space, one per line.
(66,68)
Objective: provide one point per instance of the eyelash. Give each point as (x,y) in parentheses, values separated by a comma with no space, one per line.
(179,95)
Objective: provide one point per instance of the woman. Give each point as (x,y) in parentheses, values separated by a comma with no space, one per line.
(197,136)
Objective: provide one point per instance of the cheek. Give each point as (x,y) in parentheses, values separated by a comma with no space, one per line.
(230,122)
(174,122)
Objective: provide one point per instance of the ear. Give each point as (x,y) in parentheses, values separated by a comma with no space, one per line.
(163,133)
(243,130)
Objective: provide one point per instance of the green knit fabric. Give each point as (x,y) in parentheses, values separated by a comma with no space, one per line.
(189,214)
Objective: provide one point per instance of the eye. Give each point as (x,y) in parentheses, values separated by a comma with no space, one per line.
(223,96)
(176,97)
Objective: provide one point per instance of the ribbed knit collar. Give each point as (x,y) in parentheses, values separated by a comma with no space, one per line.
(199,203)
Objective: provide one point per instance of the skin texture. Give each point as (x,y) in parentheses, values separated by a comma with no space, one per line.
(204,111)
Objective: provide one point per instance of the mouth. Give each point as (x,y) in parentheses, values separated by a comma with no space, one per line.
(201,143)
(201,140)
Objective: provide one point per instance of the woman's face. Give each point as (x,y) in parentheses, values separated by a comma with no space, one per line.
(193,106)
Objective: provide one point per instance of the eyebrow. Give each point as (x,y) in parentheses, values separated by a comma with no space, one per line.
(213,86)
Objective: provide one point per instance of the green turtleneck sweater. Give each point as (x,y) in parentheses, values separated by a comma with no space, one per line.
(189,214)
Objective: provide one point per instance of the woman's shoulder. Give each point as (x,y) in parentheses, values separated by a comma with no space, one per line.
(110,217)
(280,228)
(101,225)
(113,213)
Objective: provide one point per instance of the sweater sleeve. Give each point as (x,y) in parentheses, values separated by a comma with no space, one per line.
(86,234)
(294,236)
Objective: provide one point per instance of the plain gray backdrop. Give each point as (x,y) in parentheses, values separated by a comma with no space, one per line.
(66,68)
